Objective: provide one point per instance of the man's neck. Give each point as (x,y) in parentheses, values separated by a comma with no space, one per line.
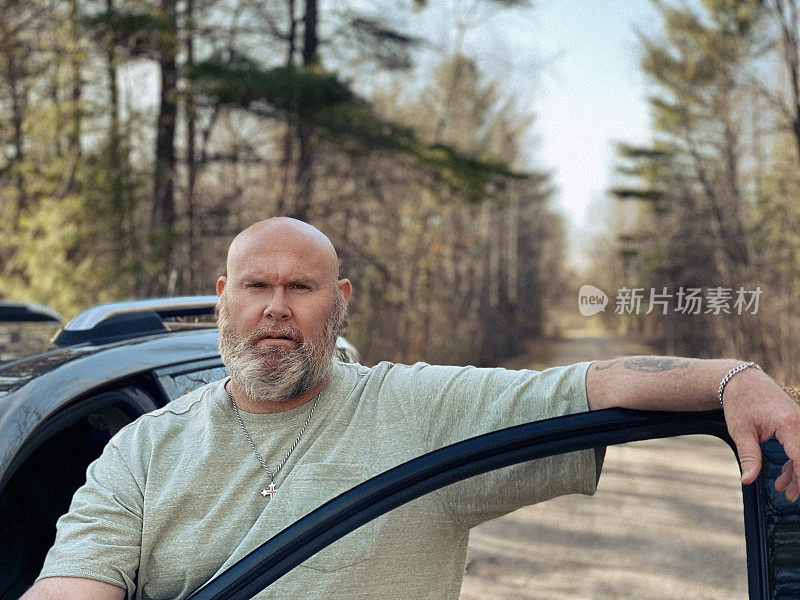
(251,405)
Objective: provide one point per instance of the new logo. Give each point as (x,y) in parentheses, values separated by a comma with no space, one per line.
(591,300)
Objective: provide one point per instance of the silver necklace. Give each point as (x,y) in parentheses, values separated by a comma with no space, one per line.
(270,491)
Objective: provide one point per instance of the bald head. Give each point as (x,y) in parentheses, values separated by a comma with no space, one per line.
(282,235)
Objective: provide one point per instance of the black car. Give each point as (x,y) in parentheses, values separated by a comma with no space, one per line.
(116,362)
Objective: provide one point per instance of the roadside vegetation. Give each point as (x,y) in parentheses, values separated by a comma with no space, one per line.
(712,203)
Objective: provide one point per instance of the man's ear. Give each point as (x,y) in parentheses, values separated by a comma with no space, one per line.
(221,283)
(345,287)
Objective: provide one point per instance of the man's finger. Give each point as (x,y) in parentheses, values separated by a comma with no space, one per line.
(749,457)
(792,491)
(795,462)
(796,470)
(785,478)
(789,438)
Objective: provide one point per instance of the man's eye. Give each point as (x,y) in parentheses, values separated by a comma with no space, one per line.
(300,286)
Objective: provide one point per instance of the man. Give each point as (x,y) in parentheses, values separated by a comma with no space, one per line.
(186,491)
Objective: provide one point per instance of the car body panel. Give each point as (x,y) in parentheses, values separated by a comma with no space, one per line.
(34,389)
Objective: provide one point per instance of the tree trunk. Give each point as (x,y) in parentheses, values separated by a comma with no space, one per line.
(304,179)
(787,16)
(122,218)
(191,155)
(304,189)
(290,5)
(18,105)
(162,222)
(310,36)
(74,120)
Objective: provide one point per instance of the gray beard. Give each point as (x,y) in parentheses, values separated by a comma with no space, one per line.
(275,374)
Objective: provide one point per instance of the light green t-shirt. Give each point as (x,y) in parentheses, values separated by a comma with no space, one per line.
(176,496)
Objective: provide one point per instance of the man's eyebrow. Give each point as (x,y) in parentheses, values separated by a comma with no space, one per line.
(250,278)
(307,281)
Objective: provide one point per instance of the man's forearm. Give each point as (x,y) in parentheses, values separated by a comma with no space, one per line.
(657,383)
(756,408)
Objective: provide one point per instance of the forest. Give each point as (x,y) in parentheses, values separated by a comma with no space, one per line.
(248,109)
(715,195)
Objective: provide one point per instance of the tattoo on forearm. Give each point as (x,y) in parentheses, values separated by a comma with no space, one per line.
(608,364)
(645,364)
(652,364)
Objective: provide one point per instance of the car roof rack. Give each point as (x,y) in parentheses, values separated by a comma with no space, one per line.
(27,312)
(131,319)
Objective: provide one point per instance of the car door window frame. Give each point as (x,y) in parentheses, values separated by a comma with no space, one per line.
(165,376)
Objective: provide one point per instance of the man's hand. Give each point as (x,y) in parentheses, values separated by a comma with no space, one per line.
(756,408)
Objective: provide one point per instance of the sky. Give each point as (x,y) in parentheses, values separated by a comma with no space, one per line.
(593,95)
(575,65)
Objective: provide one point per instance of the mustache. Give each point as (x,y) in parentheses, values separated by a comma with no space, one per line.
(275,332)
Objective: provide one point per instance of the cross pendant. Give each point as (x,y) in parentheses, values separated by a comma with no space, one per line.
(269,492)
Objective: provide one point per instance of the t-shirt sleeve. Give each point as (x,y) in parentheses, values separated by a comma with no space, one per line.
(466,402)
(100,537)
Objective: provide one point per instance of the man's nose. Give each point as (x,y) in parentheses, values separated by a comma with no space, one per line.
(278,308)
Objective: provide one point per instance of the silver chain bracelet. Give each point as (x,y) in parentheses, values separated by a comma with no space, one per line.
(730,374)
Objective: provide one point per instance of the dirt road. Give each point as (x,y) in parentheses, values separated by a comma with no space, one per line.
(665,523)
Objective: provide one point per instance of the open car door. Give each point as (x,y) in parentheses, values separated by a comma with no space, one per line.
(772,525)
